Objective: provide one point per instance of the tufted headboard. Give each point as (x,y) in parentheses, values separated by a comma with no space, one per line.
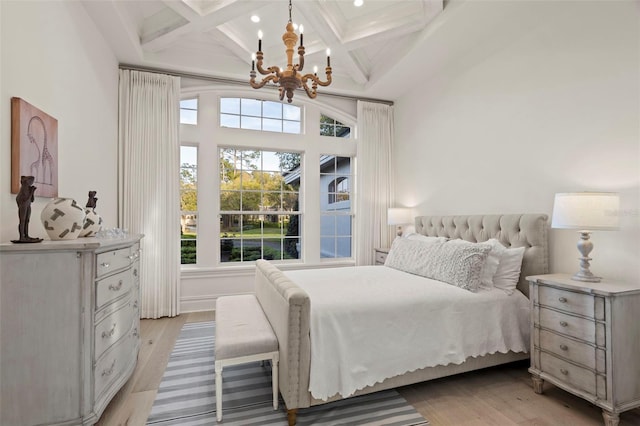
(512,230)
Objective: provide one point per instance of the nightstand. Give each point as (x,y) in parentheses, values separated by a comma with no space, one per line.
(381,255)
(585,339)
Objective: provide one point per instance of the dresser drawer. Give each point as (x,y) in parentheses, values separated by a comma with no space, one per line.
(113,287)
(576,303)
(112,328)
(113,364)
(577,377)
(580,328)
(578,352)
(110,261)
(381,257)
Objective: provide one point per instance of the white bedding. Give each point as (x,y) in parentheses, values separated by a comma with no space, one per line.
(370,323)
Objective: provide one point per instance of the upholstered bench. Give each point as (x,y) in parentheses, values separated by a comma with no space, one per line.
(243,334)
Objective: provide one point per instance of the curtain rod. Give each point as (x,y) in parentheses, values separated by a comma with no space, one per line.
(233,81)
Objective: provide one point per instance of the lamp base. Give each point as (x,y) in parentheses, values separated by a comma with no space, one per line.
(586,277)
(584,247)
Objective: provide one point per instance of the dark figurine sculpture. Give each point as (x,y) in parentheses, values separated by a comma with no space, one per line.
(92,201)
(24,199)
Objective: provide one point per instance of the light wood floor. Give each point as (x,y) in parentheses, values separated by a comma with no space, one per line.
(494,396)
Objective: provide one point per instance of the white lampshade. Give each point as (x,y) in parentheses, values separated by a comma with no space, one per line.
(398,216)
(591,211)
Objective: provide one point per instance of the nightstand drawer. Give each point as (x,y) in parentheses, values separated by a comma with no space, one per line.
(578,352)
(577,303)
(579,328)
(381,257)
(578,377)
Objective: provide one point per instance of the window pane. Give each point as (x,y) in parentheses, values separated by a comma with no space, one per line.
(251,249)
(251,201)
(291,127)
(230,105)
(272,249)
(251,107)
(230,249)
(232,121)
(291,112)
(230,225)
(327,225)
(343,132)
(272,109)
(343,247)
(230,200)
(270,125)
(326,130)
(189,103)
(343,225)
(188,116)
(272,200)
(251,123)
(327,247)
(188,249)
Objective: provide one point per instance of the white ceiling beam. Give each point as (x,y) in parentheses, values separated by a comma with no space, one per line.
(328,29)
(215,16)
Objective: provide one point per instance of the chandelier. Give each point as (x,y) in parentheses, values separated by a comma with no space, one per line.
(290,78)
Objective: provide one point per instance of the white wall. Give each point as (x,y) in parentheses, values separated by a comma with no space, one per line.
(53,57)
(550,103)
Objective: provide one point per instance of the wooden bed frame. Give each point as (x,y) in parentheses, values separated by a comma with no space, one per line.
(287,306)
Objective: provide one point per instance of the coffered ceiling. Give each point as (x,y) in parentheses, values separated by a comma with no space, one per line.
(217,37)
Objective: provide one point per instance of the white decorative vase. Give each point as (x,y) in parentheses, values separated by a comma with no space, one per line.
(63,219)
(92,224)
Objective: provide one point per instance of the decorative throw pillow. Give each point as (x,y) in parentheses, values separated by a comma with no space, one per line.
(456,264)
(508,273)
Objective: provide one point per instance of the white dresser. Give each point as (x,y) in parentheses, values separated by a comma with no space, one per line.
(585,339)
(69,321)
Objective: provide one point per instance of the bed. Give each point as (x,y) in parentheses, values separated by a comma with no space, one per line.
(285,299)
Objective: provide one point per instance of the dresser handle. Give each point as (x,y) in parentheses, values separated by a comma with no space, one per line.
(135,332)
(563,323)
(563,371)
(564,347)
(135,272)
(562,300)
(115,287)
(135,305)
(106,335)
(105,264)
(110,370)
(131,257)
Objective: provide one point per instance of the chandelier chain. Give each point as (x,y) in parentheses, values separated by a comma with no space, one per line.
(290,11)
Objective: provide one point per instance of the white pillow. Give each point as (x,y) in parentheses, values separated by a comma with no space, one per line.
(508,273)
(491,264)
(419,237)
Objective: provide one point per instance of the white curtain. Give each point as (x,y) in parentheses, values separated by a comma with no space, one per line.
(148,187)
(375,179)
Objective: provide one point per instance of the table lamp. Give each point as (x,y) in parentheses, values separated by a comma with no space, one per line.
(399,217)
(586,212)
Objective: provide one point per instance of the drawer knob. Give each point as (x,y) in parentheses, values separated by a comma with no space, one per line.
(562,300)
(135,332)
(115,287)
(135,272)
(106,335)
(131,257)
(107,372)
(563,323)
(563,371)
(105,264)
(564,347)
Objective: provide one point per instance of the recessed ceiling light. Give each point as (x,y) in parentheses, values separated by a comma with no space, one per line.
(358,3)
(256,18)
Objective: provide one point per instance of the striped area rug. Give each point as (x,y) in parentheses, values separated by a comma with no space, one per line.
(186,395)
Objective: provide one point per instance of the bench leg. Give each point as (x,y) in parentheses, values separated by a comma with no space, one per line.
(291,416)
(218,392)
(274,379)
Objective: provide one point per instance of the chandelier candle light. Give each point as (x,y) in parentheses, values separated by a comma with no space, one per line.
(291,78)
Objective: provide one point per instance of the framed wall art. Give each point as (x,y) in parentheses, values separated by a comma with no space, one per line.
(34,148)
